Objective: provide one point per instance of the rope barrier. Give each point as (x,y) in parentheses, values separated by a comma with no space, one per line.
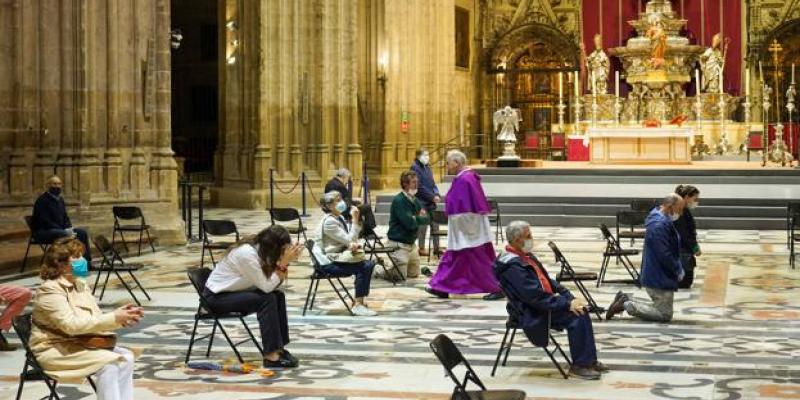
(311,191)
(275,184)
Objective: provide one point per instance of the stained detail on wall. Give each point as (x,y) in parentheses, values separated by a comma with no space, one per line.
(462,37)
(148,81)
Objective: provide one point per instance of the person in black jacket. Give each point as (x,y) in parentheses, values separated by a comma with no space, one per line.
(339,184)
(428,195)
(688,232)
(50,220)
(538,302)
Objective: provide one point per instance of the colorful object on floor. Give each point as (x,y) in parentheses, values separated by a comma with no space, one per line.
(226,367)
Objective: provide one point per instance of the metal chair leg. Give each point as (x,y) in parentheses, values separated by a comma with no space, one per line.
(211,337)
(500,351)
(194,333)
(233,346)
(308,295)
(252,337)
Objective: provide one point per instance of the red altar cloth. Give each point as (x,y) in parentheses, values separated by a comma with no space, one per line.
(794,129)
(576,151)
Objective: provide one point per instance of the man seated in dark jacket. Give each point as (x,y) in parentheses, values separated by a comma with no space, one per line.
(534,299)
(50,220)
(661,265)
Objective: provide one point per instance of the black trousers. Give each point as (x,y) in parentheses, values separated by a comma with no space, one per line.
(689,262)
(270,309)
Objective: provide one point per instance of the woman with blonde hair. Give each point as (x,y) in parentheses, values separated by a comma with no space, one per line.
(71,338)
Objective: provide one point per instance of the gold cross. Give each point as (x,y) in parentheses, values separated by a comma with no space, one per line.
(775,48)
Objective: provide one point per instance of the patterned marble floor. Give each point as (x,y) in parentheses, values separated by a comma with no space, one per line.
(736,334)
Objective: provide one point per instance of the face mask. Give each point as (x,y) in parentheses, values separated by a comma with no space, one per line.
(694,204)
(80,268)
(424,159)
(528,246)
(675,217)
(55,191)
(341,206)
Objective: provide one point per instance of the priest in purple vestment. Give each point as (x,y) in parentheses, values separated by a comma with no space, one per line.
(466,266)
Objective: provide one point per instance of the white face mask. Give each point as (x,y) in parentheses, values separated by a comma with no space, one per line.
(675,217)
(412,192)
(424,159)
(694,204)
(528,245)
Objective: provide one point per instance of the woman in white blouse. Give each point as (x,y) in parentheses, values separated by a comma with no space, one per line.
(246,281)
(338,251)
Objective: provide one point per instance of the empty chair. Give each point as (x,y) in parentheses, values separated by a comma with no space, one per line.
(558,146)
(614,250)
(439,218)
(792,210)
(198,278)
(495,218)
(130,213)
(284,215)
(450,357)
(112,262)
(755,142)
(567,273)
(217,228)
(532,144)
(634,220)
(644,205)
(32,240)
(795,237)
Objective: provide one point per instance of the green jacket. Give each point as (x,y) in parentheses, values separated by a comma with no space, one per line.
(404,219)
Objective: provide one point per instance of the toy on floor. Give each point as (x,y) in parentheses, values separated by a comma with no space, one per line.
(226,367)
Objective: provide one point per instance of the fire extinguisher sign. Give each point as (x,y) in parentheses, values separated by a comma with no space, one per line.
(404,121)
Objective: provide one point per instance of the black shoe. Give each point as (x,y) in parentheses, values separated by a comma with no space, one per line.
(280,363)
(285,354)
(587,373)
(437,293)
(617,306)
(494,296)
(600,367)
(426,271)
(5,346)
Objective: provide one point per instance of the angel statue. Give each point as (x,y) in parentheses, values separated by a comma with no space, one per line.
(507,119)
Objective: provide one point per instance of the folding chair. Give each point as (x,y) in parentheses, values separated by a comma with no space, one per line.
(374,247)
(198,277)
(450,357)
(633,219)
(32,371)
(319,275)
(795,237)
(512,324)
(614,250)
(792,210)
(127,213)
(32,240)
(288,215)
(112,262)
(212,227)
(643,205)
(496,219)
(567,273)
(440,219)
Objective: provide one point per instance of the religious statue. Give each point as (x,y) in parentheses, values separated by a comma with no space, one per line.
(712,62)
(658,40)
(507,119)
(598,65)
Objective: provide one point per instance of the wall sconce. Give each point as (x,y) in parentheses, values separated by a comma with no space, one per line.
(231,25)
(383,64)
(175,38)
(233,45)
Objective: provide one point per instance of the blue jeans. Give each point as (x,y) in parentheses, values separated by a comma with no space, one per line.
(580,334)
(361,270)
(51,235)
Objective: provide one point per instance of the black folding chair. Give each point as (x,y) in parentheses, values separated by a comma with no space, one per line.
(283,215)
(112,262)
(440,219)
(643,205)
(129,213)
(792,210)
(614,250)
(635,221)
(450,357)
(198,277)
(512,324)
(319,275)
(32,371)
(495,218)
(32,240)
(567,273)
(375,248)
(212,227)
(795,237)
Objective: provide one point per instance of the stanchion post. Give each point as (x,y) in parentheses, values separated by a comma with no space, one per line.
(303,192)
(189,211)
(271,189)
(201,189)
(365,182)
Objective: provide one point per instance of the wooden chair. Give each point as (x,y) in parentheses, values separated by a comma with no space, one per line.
(755,142)
(558,146)
(532,144)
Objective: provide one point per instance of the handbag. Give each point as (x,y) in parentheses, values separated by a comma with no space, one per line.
(97,341)
(350,257)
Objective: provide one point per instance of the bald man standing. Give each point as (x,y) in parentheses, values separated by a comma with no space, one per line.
(50,219)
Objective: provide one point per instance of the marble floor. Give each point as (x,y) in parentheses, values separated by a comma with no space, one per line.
(736,334)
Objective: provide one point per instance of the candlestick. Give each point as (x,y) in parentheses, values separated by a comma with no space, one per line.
(560,85)
(616,89)
(721,82)
(697,81)
(761,71)
(792,73)
(746,83)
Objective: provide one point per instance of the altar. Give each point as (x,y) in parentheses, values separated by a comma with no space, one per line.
(637,145)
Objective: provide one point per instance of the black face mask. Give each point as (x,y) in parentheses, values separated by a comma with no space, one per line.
(55,191)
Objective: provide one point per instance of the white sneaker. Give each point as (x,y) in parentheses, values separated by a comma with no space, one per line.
(362,311)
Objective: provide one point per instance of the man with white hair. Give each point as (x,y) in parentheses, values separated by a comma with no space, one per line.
(538,303)
(661,265)
(466,266)
(339,184)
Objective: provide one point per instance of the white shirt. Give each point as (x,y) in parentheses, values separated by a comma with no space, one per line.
(240,270)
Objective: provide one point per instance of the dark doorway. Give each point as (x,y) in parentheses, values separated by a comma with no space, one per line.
(195,83)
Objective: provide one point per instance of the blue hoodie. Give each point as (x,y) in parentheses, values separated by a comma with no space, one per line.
(661,260)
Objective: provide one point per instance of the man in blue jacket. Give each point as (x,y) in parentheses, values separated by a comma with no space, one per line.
(427,194)
(661,265)
(537,303)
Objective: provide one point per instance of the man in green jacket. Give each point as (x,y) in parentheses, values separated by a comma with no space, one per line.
(406,216)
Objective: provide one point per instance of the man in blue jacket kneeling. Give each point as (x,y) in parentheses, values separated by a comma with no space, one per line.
(661,265)
(537,302)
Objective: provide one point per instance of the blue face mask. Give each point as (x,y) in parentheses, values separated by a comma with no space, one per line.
(341,206)
(80,268)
